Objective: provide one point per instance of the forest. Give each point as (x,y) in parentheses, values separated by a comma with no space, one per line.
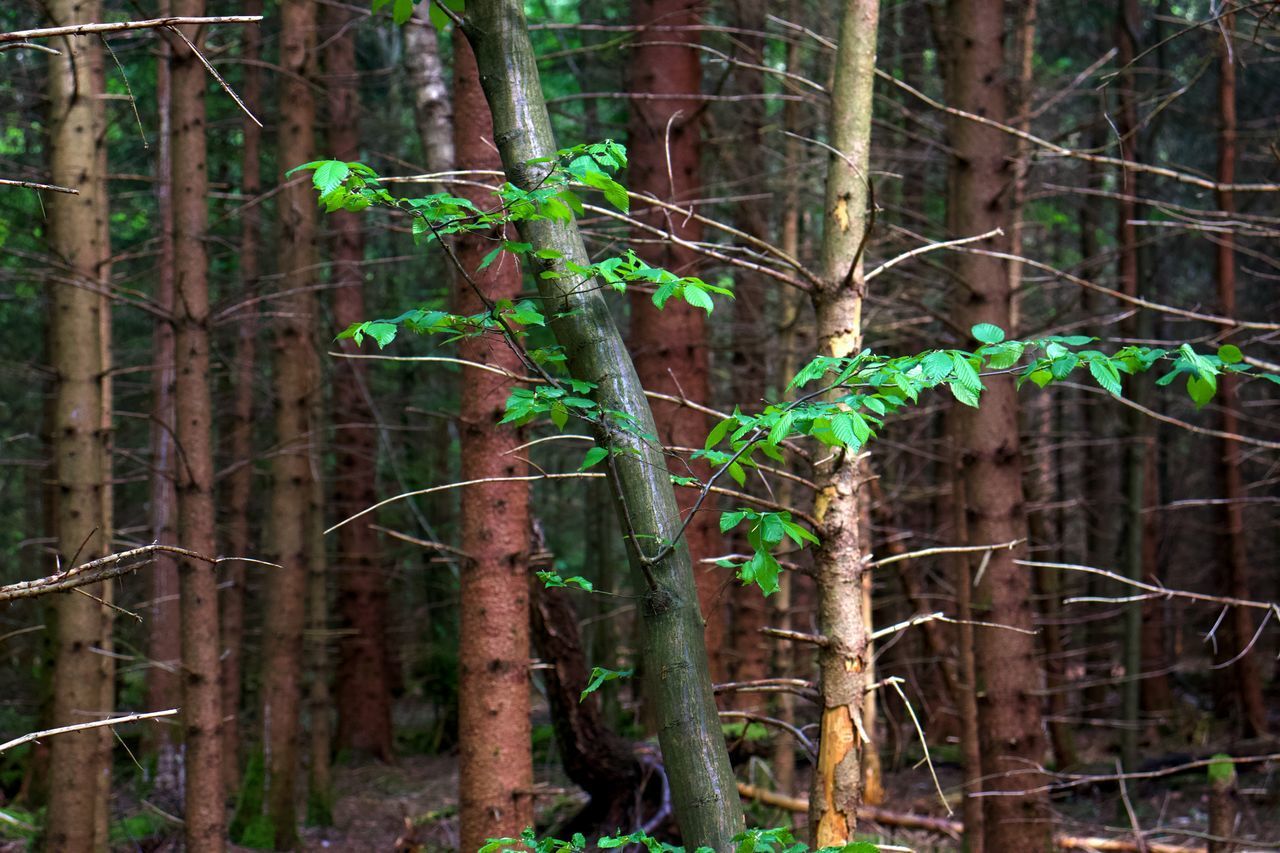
(535,425)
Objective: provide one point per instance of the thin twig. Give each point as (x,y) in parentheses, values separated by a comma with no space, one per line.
(32,185)
(932,247)
(119,26)
(945,549)
(96,724)
(226,87)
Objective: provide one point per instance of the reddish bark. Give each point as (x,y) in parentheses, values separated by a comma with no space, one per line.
(238,494)
(363,682)
(204,814)
(669,347)
(1247,686)
(1009,712)
(296,384)
(495,763)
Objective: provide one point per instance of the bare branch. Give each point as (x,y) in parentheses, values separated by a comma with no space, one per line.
(32,185)
(120,26)
(96,724)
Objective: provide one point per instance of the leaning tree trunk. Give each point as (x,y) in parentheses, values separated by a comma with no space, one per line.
(990,459)
(204,817)
(77,235)
(495,763)
(703,790)
(364,671)
(1235,555)
(669,346)
(296,374)
(836,788)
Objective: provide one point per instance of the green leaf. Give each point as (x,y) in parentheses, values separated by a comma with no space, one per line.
(988,333)
(964,394)
(1230,354)
(763,571)
(329,175)
(1221,768)
(698,298)
(599,675)
(559,415)
(403,11)
(1105,374)
(1201,390)
(594,457)
(718,433)
(382,332)
(730,520)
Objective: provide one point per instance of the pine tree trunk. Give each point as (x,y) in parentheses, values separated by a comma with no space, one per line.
(704,793)
(295,382)
(669,346)
(495,762)
(363,682)
(238,491)
(164,687)
(1009,713)
(82,680)
(193,417)
(1234,549)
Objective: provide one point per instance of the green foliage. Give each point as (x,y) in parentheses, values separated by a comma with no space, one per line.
(599,675)
(552,580)
(776,840)
(1221,768)
(768,530)
(135,828)
(249,826)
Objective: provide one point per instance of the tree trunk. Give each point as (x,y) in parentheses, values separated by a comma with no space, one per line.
(836,787)
(363,682)
(1010,720)
(238,493)
(193,416)
(704,793)
(296,376)
(431,107)
(669,346)
(164,687)
(495,764)
(82,677)
(1234,549)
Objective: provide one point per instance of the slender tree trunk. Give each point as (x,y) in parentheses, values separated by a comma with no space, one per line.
(836,788)
(77,230)
(193,415)
(238,493)
(495,764)
(363,682)
(703,790)
(163,618)
(1234,549)
(1145,686)
(431,106)
(320,793)
(1009,715)
(296,375)
(669,346)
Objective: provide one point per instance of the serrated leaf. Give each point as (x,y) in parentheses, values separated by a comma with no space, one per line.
(599,675)
(988,333)
(962,393)
(593,457)
(730,520)
(1106,375)
(965,374)
(698,298)
(329,175)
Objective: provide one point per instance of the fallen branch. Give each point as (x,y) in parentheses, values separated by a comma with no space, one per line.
(96,724)
(955,828)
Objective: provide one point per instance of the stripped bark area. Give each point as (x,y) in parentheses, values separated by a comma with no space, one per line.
(840,561)
(363,683)
(79,766)
(495,761)
(673,648)
(669,346)
(1008,676)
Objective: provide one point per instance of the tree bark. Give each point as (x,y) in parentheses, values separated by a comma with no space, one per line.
(164,687)
(1234,549)
(363,682)
(697,763)
(669,346)
(495,763)
(1010,720)
(238,492)
(836,787)
(193,416)
(82,677)
(296,377)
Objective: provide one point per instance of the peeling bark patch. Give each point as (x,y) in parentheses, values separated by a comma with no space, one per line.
(834,825)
